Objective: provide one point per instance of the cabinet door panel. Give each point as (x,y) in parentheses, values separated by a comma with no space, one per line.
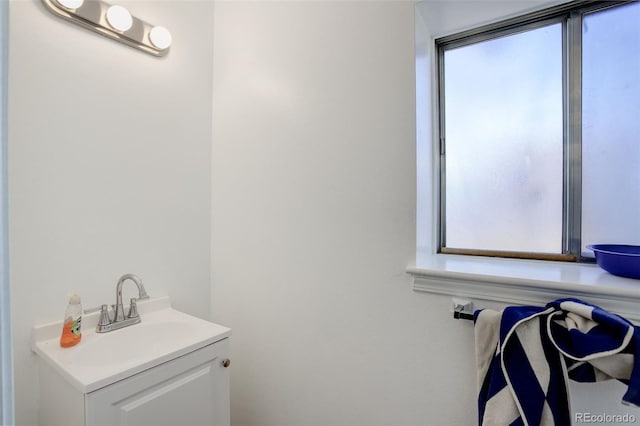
(190,390)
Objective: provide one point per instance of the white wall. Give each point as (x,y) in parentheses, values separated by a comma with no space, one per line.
(314,216)
(109,168)
(314,222)
(309,185)
(444,17)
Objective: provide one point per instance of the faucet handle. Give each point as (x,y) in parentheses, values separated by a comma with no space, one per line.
(104,316)
(118,312)
(133,309)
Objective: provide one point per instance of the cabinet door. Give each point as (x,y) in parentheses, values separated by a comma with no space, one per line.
(189,390)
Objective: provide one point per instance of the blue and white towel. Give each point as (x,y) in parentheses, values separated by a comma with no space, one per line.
(526,354)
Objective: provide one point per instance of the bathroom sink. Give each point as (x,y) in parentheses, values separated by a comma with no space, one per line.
(147,337)
(104,358)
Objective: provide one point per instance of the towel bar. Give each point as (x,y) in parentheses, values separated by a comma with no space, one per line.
(462,308)
(462,315)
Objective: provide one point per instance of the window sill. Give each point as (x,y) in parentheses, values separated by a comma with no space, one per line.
(525,282)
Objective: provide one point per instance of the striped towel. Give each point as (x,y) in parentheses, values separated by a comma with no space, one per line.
(526,354)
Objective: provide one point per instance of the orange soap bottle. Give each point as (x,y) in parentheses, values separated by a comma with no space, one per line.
(71,330)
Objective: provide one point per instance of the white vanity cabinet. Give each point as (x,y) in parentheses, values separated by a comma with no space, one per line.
(172,369)
(190,390)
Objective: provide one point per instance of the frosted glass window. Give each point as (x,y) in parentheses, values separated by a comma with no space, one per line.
(611,126)
(503,128)
(539,124)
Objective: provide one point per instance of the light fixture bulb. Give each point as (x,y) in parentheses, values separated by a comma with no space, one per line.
(70,4)
(160,37)
(119,18)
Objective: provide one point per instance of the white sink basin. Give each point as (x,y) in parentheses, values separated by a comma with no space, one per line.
(137,340)
(104,358)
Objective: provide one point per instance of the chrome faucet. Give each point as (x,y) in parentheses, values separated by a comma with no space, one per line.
(105,323)
(142,294)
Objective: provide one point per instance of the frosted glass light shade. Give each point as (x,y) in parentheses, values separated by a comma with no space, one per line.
(119,18)
(160,37)
(70,4)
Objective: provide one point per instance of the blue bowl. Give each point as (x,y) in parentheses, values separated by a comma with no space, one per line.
(618,259)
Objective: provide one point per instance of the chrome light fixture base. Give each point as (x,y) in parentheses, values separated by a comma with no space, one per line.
(92,14)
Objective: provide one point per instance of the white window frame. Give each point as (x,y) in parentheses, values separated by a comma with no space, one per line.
(7,415)
(503,280)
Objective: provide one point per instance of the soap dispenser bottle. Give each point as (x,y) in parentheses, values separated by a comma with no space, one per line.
(71,333)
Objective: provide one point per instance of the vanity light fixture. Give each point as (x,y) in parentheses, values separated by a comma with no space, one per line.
(115,22)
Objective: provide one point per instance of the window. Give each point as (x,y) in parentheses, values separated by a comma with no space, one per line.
(611,125)
(539,118)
